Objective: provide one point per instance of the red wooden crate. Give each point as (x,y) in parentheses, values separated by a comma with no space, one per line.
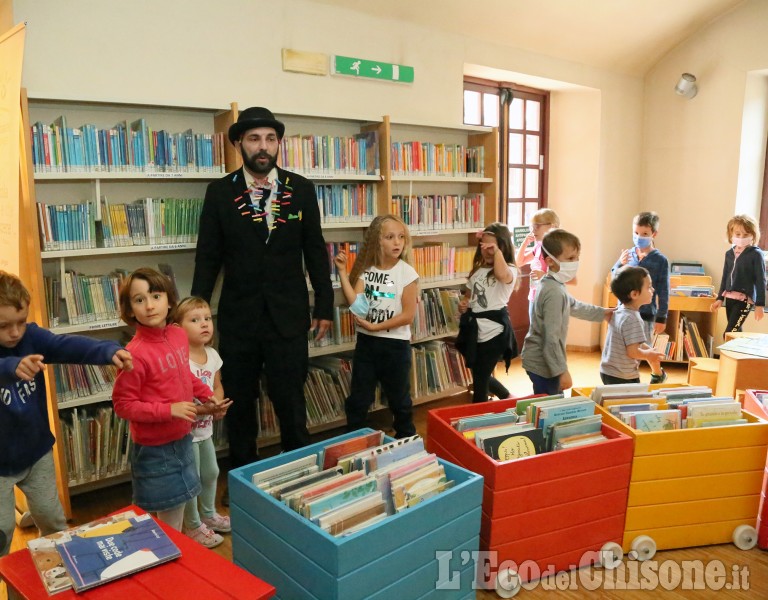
(555,509)
(753,405)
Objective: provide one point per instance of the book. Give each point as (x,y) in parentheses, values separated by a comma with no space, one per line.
(335,451)
(526,442)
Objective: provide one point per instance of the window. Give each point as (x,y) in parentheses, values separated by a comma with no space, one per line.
(522,117)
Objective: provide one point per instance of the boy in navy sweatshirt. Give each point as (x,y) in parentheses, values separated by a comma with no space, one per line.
(26,441)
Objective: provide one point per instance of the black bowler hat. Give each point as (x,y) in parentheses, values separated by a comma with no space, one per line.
(256,116)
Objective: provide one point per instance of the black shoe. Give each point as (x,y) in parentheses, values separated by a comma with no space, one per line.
(659,378)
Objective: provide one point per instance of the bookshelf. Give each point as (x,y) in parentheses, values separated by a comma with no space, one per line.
(356,181)
(693,310)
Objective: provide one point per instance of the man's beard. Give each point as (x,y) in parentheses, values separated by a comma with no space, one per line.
(253,166)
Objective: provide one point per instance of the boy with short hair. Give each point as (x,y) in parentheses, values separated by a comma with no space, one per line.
(626,343)
(26,441)
(544,356)
(645,227)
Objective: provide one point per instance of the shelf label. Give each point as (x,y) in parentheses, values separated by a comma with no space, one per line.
(177,246)
(371,69)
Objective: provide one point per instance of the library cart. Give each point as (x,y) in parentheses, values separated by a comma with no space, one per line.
(197,572)
(419,553)
(546,513)
(754,405)
(693,487)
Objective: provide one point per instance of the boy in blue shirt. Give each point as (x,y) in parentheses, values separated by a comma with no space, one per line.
(626,343)
(26,441)
(644,254)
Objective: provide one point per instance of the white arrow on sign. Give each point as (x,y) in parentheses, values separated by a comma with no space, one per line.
(376,69)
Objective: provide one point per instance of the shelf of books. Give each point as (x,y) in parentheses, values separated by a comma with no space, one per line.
(121,186)
(294,525)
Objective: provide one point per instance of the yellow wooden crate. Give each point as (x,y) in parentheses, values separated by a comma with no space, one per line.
(696,464)
(682,489)
(684,536)
(674,514)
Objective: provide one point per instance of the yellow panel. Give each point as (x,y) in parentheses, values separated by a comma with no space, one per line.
(692,464)
(687,536)
(684,489)
(692,513)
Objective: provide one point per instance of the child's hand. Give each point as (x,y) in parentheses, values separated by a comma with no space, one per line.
(625,256)
(221,409)
(529,239)
(29,366)
(184,410)
(759,313)
(367,325)
(536,274)
(565,381)
(659,327)
(340,260)
(489,246)
(718,303)
(608,314)
(123,360)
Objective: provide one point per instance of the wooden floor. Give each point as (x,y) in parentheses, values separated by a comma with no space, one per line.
(724,563)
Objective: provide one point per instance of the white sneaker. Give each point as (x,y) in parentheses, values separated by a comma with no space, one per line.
(205,537)
(218,523)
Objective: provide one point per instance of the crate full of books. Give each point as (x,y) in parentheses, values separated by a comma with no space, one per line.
(556,480)
(756,402)
(698,465)
(358,516)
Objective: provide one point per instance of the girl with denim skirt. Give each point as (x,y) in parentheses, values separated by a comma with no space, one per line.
(156,398)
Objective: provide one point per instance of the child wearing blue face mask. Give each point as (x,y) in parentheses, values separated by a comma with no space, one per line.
(382,291)
(644,254)
(544,356)
(742,285)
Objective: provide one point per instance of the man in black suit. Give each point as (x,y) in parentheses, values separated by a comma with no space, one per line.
(262,224)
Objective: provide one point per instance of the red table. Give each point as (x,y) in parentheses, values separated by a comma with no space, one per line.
(199,573)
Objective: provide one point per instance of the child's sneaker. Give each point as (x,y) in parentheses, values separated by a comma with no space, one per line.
(659,378)
(205,537)
(218,523)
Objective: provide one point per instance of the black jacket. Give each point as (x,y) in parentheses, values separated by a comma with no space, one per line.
(745,274)
(261,276)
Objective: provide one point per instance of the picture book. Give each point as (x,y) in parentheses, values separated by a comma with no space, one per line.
(655,420)
(586,425)
(597,393)
(486,420)
(112,550)
(522,405)
(46,557)
(267,476)
(528,442)
(576,441)
(335,451)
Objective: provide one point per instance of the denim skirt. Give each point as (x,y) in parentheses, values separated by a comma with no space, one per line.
(164,476)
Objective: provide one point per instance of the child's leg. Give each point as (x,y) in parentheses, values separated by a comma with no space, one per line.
(39,486)
(209,474)
(363,386)
(7,512)
(486,357)
(191,514)
(544,385)
(737,312)
(611,380)
(393,370)
(497,388)
(173,516)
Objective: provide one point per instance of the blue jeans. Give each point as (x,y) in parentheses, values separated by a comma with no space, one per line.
(387,361)
(544,385)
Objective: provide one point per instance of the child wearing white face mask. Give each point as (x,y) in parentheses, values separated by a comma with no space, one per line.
(544,356)
(743,282)
(645,227)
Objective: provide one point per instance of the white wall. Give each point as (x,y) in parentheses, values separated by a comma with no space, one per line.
(692,147)
(208,54)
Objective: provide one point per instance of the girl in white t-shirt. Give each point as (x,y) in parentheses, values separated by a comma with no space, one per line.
(204,524)
(382,291)
(486,333)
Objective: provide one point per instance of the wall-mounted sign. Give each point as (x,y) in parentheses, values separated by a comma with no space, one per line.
(372,69)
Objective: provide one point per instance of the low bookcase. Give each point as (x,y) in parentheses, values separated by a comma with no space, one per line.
(419,553)
(693,487)
(753,405)
(556,509)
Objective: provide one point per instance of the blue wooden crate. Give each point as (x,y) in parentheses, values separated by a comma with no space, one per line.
(396,557)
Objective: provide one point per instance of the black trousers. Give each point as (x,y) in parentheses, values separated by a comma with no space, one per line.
(487,357)
(737,312)
(613,380)
(284,363)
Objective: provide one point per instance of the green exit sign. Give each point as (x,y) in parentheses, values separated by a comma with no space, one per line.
(372,69)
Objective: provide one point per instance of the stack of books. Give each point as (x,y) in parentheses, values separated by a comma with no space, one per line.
(346,203)
(438,261)
(440,212)
(356,482)
(326,155)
